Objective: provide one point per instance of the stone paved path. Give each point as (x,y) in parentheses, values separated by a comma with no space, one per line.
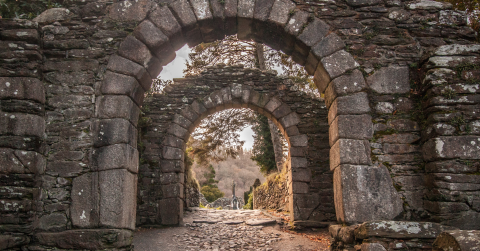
(223,230)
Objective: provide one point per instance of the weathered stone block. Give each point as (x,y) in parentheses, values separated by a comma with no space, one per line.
(299,140)
(114,131)
(211,30)
(186,18)
(348,105)
(158,42)
(245,13)
(351,127)
(310,36)
(178,131)
(449,166)
(117,196)
(130,10)
(390,80)
(350,151)
(230,17)
(273,104)
(172,153)
(321,78)
(119,84)
(53,222)
(119,156)
(110,107)
(400,229)
(290,120)
(298,162)
(173,191)
(339,63)
(296,23)
(11,241)
(170,211)
(174,142)
(300,187)
(357,202)
(130,68)
(169,166)
(462,147)
(457,240)
(66,169)
(163,18)
(282,111)
(301,174)
(344,85)
(131,48)
(17,161)
(90,239)
(372,247)
(52,15)
(22,124)
(22,88)
(327,46)
(84,208)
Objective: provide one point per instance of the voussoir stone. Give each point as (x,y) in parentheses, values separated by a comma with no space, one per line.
(338,63)
(390,80)
(130,10)
(130,68)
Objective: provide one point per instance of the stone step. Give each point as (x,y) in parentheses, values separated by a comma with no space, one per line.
(261,222)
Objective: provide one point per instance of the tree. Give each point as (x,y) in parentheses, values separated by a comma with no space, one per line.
(211,193)
(217,137)
(263,152)
(210,189)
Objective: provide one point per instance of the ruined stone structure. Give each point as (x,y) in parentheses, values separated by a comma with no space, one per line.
(401,87)
(174,114)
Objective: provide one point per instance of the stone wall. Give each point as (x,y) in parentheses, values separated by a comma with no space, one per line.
(313,185)
(273,193)
(451,135)
(22,135)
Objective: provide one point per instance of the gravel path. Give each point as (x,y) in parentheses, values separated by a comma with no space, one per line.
(224,230)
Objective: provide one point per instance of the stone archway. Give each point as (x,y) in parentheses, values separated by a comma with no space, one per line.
(173,115)
(164,28)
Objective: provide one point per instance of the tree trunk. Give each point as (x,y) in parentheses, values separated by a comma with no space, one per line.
(277,144)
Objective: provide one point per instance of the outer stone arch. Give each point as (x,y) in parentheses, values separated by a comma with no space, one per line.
(163,29)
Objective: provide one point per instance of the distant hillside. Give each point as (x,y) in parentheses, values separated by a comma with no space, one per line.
(242,170)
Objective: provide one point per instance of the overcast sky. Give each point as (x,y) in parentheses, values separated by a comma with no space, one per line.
(175,70)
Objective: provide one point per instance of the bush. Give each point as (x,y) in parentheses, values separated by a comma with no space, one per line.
(211,193)
(249,204)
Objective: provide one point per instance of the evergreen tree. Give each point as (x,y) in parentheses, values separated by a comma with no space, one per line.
(210,189)
(262,150)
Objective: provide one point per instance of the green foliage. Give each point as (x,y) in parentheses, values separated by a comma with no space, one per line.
(211,193)
(249,204)
(263,152)
(465,66)
(26,9)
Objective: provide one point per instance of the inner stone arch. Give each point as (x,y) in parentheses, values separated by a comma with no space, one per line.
(300,117)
